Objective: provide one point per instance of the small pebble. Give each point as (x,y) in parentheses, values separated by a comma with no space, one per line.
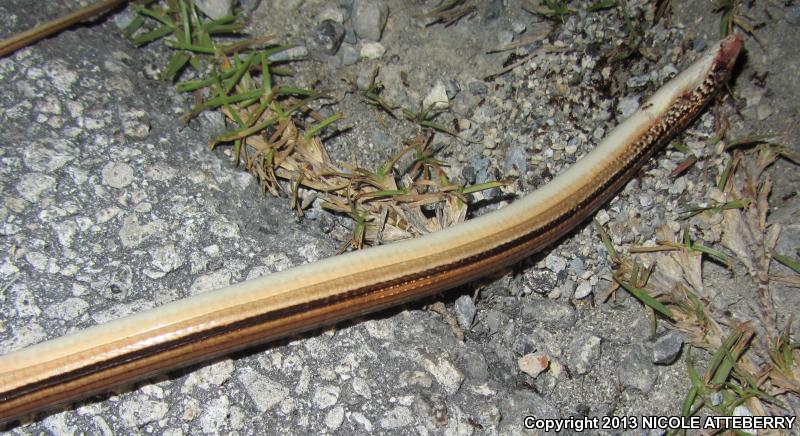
(678,186)
(638,81)
(326,396)
(468,174)
(744,411)
(465,311)
(335,418)
(582,353)
(505,37)
(452,88)
(635,371)
(372,50)
(668,72)
(350,34)
(793,15)
(763,111)
(364,78)
(533,364)
(292,54)
(328,37)
(667,347)
(436,98)
(567,289)
(32,185)
(477,87)
(332,13)
(602,217)
(350,56)
(117,174)
(555,263)
(699,45)
(583,290)
(215,9)
(369,18)
(576,265)
(494,10)
(627,106)
(124,17)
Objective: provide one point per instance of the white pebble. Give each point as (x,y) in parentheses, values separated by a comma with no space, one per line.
(583,290)
(533,364)
(372,50)
(117,174)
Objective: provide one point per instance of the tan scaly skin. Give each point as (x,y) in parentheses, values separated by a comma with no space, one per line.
(307,297)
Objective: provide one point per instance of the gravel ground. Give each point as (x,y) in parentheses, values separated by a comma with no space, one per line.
(110,207)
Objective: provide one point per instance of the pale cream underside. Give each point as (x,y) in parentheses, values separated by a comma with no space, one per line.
(284,285)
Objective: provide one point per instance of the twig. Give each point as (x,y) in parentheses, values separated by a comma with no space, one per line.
(28,37)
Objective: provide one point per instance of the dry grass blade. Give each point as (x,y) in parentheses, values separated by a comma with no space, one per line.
(382,208)
(511,67)
(789,280)
(746,232)
(732,17)
(674,280)
(85,14)
(739,201)
(450,11)
(527,39)
(277,135)
(785,355)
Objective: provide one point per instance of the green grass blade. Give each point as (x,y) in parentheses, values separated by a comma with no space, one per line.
(158,16)
(602,5)
(698,388)
(187,25)
(481,187)
(240,70)
(226,29)
(216,102)
(194,85)
(720,364)
(133,26)
(723,24)
(437,126)
(266,80)
(645,298)
(153,35)
(725,176)
(282,71)
(204,49)
(295,91)
(750,140)
(221,21)
(698,307)
(323,124)
(787,262)
(265,102)
(606,241)
(175,64)
(715,254)
(243,133)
